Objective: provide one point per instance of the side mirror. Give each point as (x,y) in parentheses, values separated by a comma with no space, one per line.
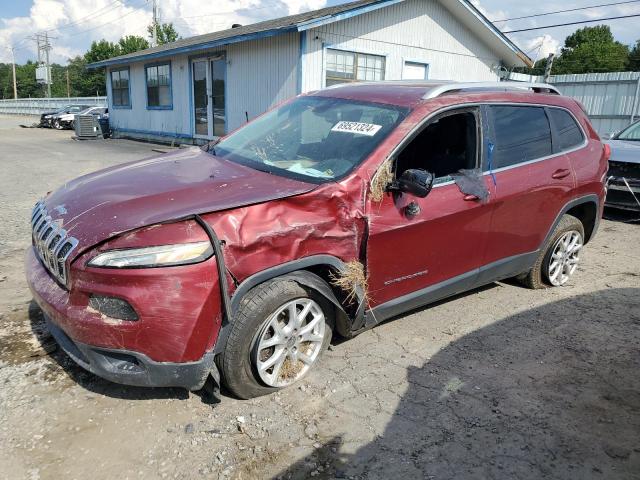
(414,181)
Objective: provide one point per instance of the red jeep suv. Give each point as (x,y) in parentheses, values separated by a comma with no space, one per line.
(234,263)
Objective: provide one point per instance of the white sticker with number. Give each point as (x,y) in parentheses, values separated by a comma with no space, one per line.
(368,129)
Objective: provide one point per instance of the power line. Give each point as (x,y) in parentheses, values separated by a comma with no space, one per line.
(572,23)
(100,11)
(135,10)
(107,9)
(565,11)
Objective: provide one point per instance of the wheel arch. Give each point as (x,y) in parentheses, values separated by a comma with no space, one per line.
(314,262)
(584,209)
(312,272)
(587,213)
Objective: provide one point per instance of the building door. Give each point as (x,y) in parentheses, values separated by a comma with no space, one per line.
(209,107)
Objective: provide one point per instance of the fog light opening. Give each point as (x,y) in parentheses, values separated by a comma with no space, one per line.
(113,307)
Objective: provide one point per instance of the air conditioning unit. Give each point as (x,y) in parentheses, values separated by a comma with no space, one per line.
(91,127)
(87,126)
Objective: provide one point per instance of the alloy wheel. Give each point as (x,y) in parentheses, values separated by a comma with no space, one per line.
(290,342)
(564,258)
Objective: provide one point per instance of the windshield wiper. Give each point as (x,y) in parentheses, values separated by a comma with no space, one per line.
(209,146)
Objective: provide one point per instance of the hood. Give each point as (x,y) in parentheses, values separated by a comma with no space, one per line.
(100,205)
(66,116)
(624,151)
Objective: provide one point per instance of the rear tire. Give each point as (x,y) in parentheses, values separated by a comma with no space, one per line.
(263,318)
(554,267)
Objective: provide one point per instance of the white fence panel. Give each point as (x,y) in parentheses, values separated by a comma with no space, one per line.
(36,106)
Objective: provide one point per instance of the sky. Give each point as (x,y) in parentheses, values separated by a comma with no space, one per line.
(74,24)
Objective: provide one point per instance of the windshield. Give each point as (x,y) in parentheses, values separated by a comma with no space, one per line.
(630,133)
(316,139)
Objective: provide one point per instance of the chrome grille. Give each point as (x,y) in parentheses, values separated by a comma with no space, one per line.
(51,242)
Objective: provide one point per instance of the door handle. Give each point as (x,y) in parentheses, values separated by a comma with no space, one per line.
(561,173)
(470,198)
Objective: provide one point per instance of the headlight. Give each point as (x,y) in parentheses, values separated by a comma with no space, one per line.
(164,256)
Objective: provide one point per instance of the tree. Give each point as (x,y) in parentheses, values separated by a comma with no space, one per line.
(634,58)
(132,43)
(6,81)
(93,81)
(26,80)
(591,49)
(166,33)
(101,50)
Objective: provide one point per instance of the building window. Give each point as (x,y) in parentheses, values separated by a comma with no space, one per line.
(415,71)
(120,88)
(353,67)
(159,86)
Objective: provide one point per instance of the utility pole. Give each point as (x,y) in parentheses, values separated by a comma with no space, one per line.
(68,85)
(13,67)
(44,47)
(547,70)
(154,33)
(47,48)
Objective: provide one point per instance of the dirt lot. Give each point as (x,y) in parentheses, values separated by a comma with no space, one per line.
(502,382)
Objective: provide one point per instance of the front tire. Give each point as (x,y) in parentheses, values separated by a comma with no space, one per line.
(559,258)
(57,125)
(278,335)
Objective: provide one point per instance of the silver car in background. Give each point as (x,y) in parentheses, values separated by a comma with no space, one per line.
(624,169)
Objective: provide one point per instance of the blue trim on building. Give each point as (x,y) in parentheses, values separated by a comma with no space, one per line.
(303,52)
(146,86)
(317,22)
(110,88)
(480,16)
(153,133)
(194,48)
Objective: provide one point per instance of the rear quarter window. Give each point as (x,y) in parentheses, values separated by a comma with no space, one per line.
(568,133)
(520,134)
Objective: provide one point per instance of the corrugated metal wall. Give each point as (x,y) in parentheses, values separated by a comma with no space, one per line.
(415,30)
(260,74)
(612,100)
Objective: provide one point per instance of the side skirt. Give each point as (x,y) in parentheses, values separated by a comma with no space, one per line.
(505,268)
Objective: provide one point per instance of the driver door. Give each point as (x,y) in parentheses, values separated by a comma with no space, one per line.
(423,249)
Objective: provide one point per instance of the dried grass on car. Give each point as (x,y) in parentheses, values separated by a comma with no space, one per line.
(350,279)
(379,182)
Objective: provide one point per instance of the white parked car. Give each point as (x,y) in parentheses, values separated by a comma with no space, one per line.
(67,119)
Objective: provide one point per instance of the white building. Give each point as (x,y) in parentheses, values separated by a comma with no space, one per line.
(202,87)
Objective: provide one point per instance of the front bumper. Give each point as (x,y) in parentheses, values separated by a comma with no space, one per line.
(133,368)
(623,193)
(169,344)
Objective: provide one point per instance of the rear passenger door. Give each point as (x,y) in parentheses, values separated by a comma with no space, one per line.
(532,182)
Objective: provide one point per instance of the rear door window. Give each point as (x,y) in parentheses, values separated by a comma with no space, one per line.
(520,134)
(568,133)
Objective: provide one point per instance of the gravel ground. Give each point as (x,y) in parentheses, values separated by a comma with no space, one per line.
(502,382)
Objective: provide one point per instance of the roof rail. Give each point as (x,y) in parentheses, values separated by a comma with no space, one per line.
(495,86)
